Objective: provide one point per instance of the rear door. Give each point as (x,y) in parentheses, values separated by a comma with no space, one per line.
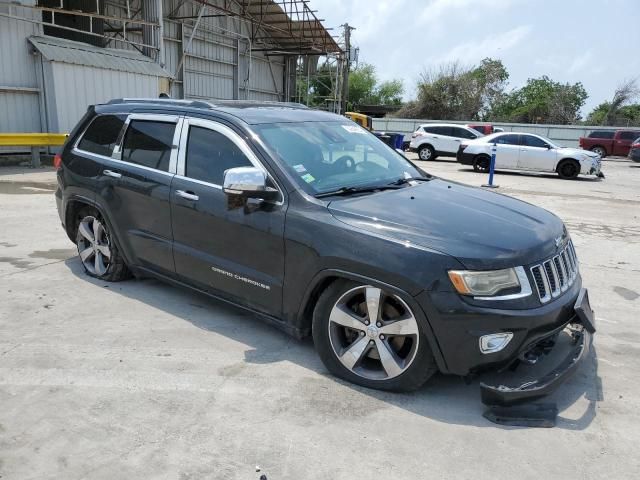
(622,143)
(221,246)
(139,180)
(507,150)
(446,142)
(535,155)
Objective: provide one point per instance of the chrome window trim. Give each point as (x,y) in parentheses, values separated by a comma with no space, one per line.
(525,288)
(231,135)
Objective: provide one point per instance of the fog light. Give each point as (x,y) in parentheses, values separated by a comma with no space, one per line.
(495,342)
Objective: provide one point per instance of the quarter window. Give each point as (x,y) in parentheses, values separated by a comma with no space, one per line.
(102,135)
(148,143)
(210,153)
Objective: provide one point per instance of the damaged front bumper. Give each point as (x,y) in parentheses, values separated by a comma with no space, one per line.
(582,327)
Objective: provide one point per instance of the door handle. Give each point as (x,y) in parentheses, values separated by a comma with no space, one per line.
(456,139)
(187,195)
(111,173)
(435,137)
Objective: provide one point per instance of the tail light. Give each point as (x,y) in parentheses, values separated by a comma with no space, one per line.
(57,161)
(635,145)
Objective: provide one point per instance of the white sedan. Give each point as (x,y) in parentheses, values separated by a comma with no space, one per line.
(526,151)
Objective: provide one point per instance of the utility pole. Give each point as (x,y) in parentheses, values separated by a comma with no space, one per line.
(346,66)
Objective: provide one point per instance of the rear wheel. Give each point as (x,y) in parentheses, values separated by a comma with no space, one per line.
(568,169)
(97,250)
(371,337)
(600,151)
(481,163)
(426,153)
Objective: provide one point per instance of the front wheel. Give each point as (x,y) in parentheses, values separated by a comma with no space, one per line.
(568,169)
(371,337)
(481,163)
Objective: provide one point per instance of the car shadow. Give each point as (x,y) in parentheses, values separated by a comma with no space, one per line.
(533,175)
(443,398)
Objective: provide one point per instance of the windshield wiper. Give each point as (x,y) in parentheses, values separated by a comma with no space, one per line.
(352,190)
(403,181)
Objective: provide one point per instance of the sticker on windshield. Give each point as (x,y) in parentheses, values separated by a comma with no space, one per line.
(299,168)
(353,129)
(307,177)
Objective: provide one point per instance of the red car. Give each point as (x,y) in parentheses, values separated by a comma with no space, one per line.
(609,142)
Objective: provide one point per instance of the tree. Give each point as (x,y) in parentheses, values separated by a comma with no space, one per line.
(620,110)
(455,92)
(541,100)
(365,88)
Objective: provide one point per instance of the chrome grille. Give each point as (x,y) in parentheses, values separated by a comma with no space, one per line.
(555,275)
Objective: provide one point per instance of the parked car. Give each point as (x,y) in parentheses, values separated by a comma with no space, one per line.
(634,151)
(484,129)
(609,142)
(309,221)
(433,139)
(526,151)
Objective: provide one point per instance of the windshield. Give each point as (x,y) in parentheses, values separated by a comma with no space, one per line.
(327,156)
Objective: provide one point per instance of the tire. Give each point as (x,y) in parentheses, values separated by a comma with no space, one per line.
(481,163)
(100,259)
(599,150)
(426,153)
(351,349)
(568,169)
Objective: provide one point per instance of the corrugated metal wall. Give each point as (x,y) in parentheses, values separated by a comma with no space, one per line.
(74,87)
(19,100)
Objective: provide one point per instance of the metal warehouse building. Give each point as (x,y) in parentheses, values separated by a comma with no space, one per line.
(58,56)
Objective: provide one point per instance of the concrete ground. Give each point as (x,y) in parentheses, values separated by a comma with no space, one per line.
(142,380)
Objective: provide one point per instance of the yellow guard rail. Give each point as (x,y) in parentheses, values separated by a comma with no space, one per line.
(33,140)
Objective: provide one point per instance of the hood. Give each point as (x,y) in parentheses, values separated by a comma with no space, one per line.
(576,152)
(483,230)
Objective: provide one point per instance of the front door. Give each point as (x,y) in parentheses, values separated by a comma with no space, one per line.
(535,154)
(220,245)
(507,150)
(140,172)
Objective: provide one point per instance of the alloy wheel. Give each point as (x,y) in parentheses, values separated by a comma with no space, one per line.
(94,246)
(425,154)
(372,333)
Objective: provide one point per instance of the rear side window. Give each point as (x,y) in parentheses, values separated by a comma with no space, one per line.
(628,135)
(148,143)
(602,134)
(463,133)
(102,134)
(442,131)
(210,153)
(509,139)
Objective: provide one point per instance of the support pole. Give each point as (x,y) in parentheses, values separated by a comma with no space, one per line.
(492,165)
(35,157)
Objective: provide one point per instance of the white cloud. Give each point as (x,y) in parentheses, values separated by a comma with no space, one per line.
(493,45)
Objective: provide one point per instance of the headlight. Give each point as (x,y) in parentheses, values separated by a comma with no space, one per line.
(489,283)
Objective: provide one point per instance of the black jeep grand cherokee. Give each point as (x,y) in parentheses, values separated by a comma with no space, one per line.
(308,220)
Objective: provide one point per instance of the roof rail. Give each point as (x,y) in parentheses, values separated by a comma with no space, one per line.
(162,101)
(257,103)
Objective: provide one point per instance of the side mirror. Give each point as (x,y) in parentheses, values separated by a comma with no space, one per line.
(248,182)
(548,146)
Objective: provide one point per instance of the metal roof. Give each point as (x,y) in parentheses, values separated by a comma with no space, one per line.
(78,53)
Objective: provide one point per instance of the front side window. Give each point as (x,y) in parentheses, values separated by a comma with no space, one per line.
(325,156)
(148,143)
(509,139)
(102,135)
(210,153)
(463,133)
(602,134)
(531,141)
(628,135)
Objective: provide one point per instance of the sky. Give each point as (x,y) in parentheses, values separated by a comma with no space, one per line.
(595,42)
